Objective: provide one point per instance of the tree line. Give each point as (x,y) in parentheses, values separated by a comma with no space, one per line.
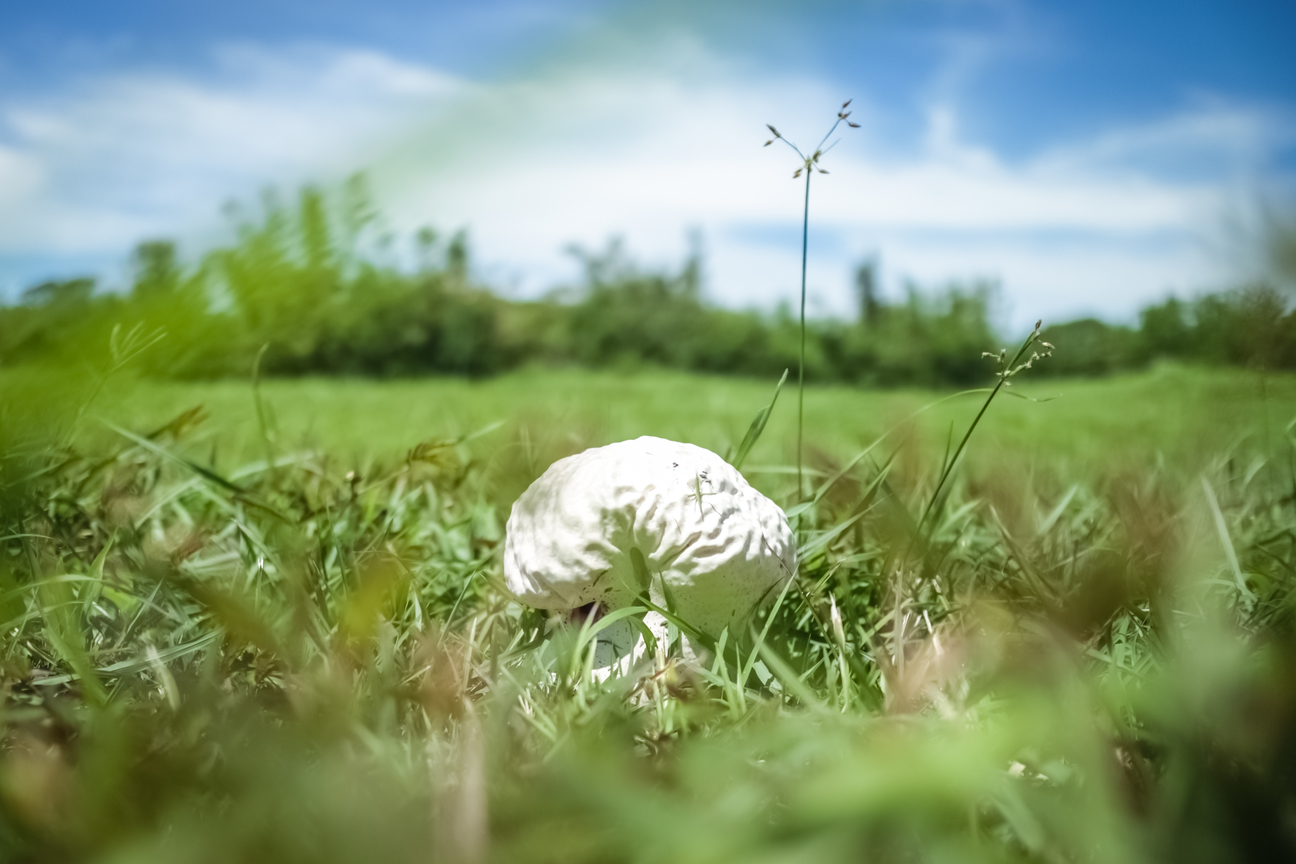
(312,287)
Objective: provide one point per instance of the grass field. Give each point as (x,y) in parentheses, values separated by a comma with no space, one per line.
(1183,417)
(287,638)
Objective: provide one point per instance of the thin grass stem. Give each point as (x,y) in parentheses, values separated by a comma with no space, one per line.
(1004,374)
(809,164)
(805,247)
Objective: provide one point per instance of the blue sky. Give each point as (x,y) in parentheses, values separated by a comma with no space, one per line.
(1089,157)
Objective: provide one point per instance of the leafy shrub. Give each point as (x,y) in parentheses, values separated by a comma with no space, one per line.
(316,288)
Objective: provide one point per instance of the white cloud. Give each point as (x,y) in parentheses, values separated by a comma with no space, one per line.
(20,176)
(1073,231)
(532,165)
(1215,135)
(141,154)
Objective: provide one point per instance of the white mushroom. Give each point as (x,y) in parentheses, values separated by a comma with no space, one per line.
(712,547)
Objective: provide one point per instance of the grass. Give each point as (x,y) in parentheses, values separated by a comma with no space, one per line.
(1181,415)
(809,165)
(220,644)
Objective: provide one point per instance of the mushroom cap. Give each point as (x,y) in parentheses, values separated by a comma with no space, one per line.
(714,547)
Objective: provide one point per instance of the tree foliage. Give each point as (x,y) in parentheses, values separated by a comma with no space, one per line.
(315,287)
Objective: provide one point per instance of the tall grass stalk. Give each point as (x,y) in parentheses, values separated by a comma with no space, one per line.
(1006,370)
(809,164)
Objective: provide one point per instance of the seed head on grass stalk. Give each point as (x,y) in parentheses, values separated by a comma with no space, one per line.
(809,165)
(1005,369)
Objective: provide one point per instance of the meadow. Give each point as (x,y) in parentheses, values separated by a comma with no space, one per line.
(1070,428)
(265,621)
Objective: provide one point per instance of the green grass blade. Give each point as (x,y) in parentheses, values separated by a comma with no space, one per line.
(757,426)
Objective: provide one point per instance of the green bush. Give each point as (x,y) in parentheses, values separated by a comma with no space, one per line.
(316,288)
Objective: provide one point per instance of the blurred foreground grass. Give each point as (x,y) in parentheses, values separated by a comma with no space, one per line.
(220,643)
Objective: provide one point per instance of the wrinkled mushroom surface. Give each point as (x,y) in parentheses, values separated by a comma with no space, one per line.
(714,547)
